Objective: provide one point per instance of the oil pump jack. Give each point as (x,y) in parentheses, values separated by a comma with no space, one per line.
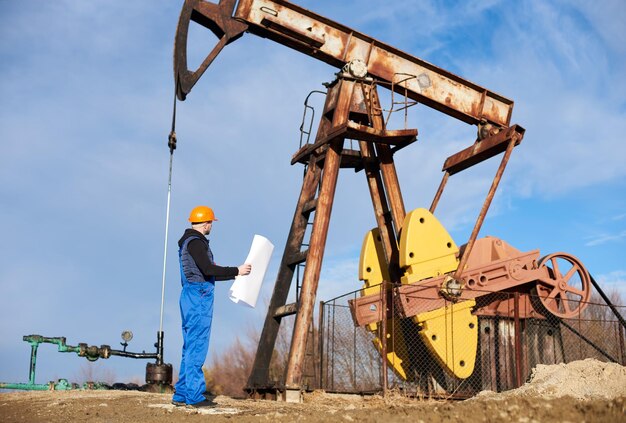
(406,254)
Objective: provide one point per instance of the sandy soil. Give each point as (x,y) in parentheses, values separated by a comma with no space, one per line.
(586,391)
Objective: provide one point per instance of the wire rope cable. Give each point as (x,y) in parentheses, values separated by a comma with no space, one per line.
(171,143)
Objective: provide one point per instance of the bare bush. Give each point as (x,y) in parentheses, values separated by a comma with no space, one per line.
(95,372)
(229,370)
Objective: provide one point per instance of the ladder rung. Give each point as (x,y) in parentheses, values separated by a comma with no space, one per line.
(309,206)
(286,310)
(299,257)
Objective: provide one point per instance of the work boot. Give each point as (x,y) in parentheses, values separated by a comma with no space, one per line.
(202,404)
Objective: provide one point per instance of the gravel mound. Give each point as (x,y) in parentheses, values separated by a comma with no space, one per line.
(583,380)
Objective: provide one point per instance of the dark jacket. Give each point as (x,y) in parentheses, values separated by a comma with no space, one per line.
(198,249)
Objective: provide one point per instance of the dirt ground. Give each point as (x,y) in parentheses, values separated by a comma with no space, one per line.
(585,391)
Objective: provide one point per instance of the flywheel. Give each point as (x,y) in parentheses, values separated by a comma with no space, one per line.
(567,289)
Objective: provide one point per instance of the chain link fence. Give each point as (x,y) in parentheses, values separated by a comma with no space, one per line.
(459,349)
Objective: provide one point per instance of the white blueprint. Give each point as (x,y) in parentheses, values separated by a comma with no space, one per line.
(246,288)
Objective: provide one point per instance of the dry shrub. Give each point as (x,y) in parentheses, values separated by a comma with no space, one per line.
(95,372)
(229,369)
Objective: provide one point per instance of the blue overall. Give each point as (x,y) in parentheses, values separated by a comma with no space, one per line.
(196,311)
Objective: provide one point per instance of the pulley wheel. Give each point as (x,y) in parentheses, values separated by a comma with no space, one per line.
(567,289)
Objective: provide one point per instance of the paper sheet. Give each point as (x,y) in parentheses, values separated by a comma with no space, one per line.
(246,288)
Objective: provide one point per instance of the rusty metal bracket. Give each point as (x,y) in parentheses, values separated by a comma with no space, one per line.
(483,149)
(353,130)
(215,17)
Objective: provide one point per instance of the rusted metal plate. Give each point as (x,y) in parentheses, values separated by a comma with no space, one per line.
(286,310)
(312,34)
(502,305)
(482,150)
(367,309)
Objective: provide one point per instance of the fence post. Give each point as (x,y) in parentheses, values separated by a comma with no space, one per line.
(518,341)
(320,345)
(621,343)
(383,335)
(332,362)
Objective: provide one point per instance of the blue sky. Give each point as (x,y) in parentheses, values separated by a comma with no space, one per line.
(86,93)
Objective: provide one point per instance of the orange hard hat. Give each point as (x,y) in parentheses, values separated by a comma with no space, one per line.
(201,214)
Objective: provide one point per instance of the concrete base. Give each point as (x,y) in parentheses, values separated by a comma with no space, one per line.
(292,395)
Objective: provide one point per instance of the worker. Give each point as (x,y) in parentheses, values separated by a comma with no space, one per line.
(198,273)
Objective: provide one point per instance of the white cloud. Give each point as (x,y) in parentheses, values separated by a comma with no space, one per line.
(604,238)
(568,95)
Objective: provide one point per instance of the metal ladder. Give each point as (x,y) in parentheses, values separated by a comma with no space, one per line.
(348,115)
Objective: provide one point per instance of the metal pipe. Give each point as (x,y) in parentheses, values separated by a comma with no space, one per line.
(167,224)
(129,354)
(442,185)
(485,208)
(33,363)
(159,346)
(60,385)
(91,353)
(26,386)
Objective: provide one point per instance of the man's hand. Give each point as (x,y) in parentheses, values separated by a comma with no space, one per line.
(244,269)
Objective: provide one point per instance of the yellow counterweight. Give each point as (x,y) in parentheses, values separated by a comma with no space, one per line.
(426,248)
(373,271)
(450,333)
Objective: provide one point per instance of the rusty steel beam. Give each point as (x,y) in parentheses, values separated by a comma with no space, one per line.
(380,180)
(310,280)
(381,208)
(387,165)
(259,376)
(336,44)
(392,186)
(317,243)
(321,38)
